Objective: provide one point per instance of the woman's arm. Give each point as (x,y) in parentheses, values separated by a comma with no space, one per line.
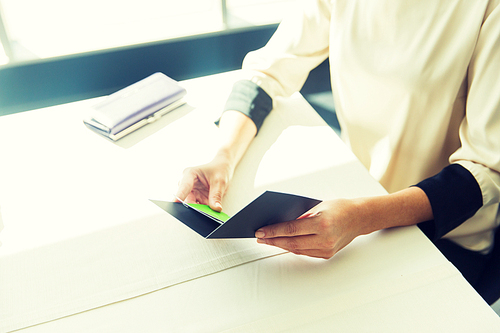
(207,183)
(330,226)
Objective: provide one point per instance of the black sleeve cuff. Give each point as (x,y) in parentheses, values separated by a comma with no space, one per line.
(455,196)
(250,99)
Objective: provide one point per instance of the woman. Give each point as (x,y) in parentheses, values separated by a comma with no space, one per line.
(416,90)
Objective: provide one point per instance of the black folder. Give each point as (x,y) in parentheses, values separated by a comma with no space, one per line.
(269,208)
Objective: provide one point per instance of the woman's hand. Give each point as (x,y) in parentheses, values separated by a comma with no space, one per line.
(206,184)
(330,226)
(321,232)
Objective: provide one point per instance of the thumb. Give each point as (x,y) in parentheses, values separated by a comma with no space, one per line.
(215,198)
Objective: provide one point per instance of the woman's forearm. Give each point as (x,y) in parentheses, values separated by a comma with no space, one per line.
(406,207)
(236,132)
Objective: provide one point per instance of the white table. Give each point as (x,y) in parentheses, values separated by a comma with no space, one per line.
(84,249)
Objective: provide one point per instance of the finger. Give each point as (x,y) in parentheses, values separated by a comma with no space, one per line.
(287,229)
(175,198)
(293,244)
(197,197)
(293,248)
(217,190)
(185,185)
(308,215)
(215,199)
(323,254)
(311,212)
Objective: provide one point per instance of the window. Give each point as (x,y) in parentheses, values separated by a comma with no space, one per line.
(35,29)
(257,12)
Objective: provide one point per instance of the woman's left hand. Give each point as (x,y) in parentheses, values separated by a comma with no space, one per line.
(321,232)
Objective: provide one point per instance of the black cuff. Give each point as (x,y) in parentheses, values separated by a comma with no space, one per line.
(250,99)
(455,196)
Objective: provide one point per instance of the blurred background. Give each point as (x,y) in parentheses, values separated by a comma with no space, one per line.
(58,51)
(41,29)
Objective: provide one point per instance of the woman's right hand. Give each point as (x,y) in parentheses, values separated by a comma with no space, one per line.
(206,184)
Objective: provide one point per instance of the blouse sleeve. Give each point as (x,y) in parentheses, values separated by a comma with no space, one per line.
(454,195)
(282,66)
(480,128)
(472,181)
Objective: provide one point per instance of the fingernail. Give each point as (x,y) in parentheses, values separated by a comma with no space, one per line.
(261,241)
(218,205)
(259,233)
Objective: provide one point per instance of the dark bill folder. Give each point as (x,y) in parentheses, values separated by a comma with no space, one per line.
(269,208)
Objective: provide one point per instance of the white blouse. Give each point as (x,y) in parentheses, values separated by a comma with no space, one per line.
(416,86)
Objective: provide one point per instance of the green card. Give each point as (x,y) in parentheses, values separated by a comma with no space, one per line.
(209,211)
